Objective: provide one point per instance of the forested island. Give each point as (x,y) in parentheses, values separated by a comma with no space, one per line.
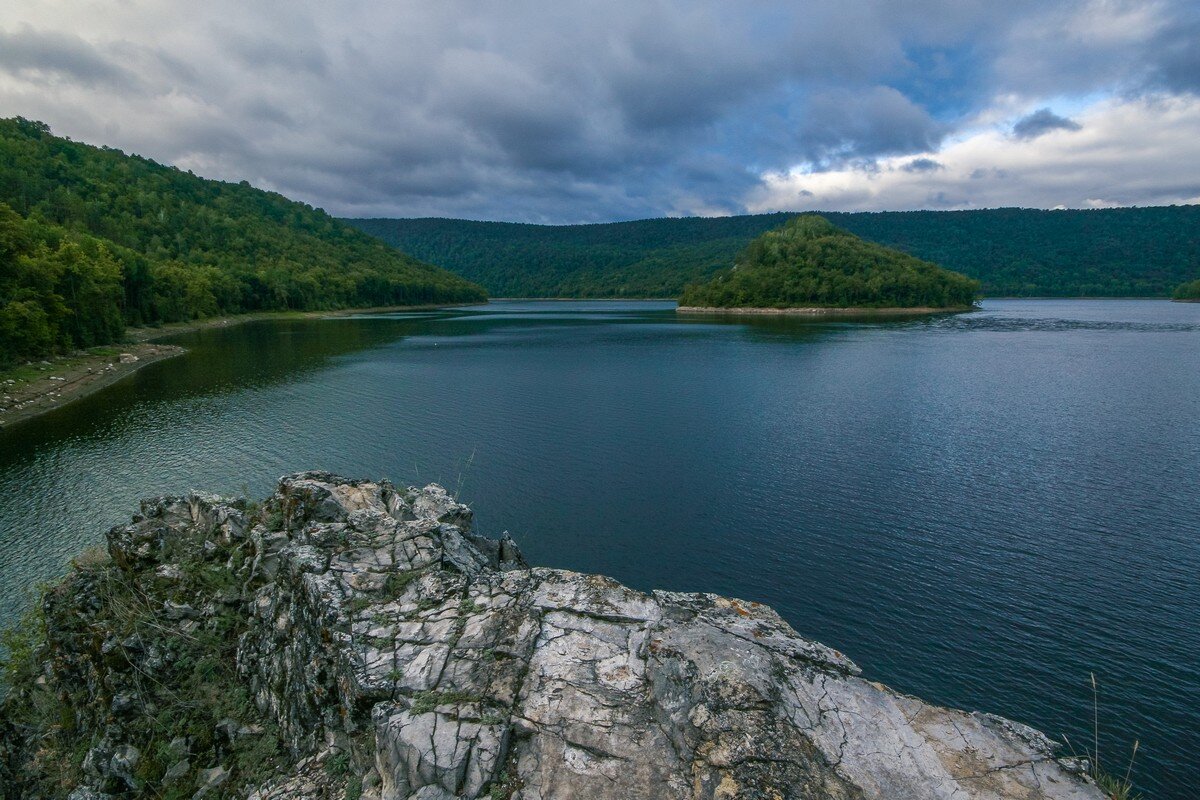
(92,240)
(1188,292)
(810,264)
(1115,252)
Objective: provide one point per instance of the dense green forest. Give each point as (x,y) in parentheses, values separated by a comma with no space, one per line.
(1011,251)
(58,290)
(1187,291)
(92,239)
(810,262)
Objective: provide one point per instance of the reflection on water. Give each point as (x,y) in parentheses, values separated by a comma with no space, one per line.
(979,508)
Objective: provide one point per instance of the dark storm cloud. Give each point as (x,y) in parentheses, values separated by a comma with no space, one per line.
(46,55)
(865,123)
(570,111)
(944,200)
(1124,46)
(267,52)
(923,165)
(1041,122)
(1176,56)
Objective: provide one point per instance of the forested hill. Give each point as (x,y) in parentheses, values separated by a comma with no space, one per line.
(1189,291)
(1103,252)
(92,239)
(809,262)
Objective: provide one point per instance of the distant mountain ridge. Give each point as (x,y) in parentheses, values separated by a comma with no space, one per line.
(1011,251)
(92,239)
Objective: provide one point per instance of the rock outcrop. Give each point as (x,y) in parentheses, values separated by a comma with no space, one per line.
(385,651)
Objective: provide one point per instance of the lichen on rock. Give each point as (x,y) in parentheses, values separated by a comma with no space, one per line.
(351,639)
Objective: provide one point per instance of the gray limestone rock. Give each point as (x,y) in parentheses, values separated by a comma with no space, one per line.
(468,671)
(87,793)
(209,780)
(123,763)
(178,770)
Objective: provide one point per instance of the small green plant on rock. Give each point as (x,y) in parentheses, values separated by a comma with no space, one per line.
(92,559)
(505,786)
(396,582)
(492,718)
(360,604)
(424,702)
(1114,786)
(273,519)
(338,765)
(469,606)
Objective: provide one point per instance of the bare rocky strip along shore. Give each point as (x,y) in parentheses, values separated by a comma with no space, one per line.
(822,311)
(382,650)
(30,391)
(72,378)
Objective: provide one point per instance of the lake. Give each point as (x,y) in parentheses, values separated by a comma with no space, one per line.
(979,509)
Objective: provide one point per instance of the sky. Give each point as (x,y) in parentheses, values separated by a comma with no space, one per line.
(623,109)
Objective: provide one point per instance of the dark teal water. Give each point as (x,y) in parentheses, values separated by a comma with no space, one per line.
(979,509)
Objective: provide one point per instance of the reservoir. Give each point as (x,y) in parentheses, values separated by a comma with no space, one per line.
(980,509)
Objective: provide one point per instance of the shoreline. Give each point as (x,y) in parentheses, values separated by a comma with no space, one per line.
(823,311)
(70,378)
(148,334)
(588,299)
(35,388)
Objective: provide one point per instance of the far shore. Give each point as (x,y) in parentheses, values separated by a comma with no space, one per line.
(825,311)
(590,299)
(32,389)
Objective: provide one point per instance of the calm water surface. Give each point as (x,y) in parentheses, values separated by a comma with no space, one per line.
(979,509)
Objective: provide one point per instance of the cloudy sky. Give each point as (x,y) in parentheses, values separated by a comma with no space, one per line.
(575,112)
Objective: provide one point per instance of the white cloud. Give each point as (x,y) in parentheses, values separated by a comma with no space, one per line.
(1137,151)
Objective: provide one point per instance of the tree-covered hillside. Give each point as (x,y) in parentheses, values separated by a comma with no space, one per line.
(1188,291)
(1026,252)
(809,262)
(92,239)
(647,258)
(58,289)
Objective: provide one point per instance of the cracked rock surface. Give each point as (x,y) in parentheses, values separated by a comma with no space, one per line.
(401,657)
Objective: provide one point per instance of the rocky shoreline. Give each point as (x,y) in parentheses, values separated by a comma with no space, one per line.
(355,640)
(824,311)
(65,380)
(35,389)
